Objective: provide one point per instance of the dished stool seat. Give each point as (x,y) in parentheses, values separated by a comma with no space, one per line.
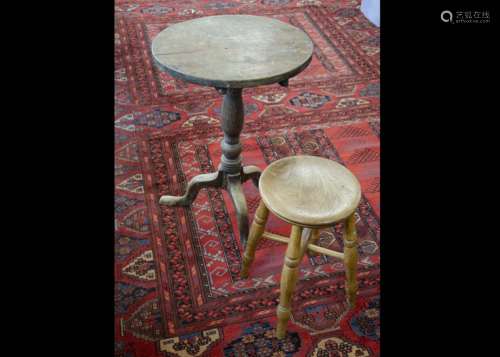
(310,193)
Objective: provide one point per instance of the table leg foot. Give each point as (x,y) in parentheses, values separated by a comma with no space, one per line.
(235,190)
(251,172)
(213,179)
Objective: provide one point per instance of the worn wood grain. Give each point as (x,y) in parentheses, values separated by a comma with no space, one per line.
(232,51)
(309,191)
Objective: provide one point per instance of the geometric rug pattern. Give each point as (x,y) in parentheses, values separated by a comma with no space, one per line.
(177,285)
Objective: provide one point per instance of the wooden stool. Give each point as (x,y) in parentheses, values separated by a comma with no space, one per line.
(310,193)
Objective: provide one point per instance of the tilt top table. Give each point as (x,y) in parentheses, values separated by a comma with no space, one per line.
(229,53)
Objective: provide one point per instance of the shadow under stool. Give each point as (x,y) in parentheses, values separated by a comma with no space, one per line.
(310,193)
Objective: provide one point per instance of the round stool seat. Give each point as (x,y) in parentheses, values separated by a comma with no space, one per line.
(309,191)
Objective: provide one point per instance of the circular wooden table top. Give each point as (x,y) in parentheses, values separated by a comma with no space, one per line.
(232,51)
(309,191)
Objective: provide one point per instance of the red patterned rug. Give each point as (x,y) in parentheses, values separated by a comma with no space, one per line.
(177,290)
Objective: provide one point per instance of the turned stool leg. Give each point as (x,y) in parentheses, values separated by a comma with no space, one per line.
(351,259)
(256,230)
(314,238)
(289,277)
